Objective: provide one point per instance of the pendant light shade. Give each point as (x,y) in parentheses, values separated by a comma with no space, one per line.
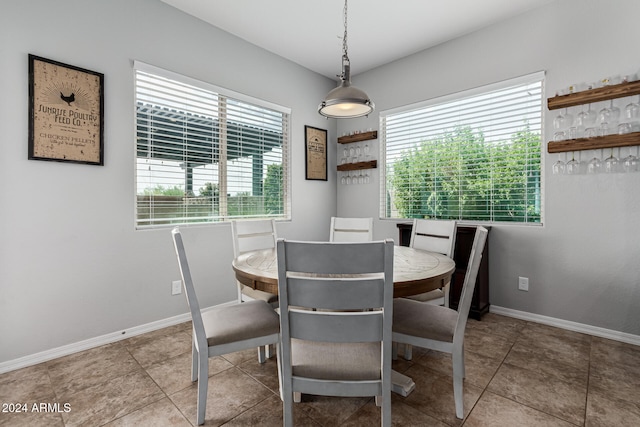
(346,101)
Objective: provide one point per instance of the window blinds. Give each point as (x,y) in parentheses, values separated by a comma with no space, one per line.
(204,154)
(470,156)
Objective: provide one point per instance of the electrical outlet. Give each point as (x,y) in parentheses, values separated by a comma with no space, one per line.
(523,283)
(176,287)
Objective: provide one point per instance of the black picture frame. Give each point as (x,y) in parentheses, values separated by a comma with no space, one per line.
(66,113)
(315,153)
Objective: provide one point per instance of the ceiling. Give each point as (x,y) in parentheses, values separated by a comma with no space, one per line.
(309,32)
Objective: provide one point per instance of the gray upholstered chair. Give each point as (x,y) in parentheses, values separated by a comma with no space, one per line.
(441,328)
(335,321)
(434,236)
(222,330)
(351,229)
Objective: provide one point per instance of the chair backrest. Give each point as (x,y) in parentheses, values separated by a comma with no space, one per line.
(253,235)
(337,293)
(434,235)
(200,339)
(470,282)
(351,229)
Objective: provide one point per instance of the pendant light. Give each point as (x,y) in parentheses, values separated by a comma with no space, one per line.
(346,101)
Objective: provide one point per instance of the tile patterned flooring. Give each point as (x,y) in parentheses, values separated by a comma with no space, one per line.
(518,374)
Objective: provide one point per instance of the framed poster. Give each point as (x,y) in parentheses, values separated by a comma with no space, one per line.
(315,153)
(66,107)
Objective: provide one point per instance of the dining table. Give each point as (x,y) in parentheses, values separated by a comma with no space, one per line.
(414,272)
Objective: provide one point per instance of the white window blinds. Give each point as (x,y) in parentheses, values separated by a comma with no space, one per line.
(205,154)
(471,156)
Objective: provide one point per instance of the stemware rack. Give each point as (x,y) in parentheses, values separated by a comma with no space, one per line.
(362,136)
(588,96)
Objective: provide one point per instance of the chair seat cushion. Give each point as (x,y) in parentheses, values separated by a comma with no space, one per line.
(259,295)
(239,322)
(337,361)
(423,320)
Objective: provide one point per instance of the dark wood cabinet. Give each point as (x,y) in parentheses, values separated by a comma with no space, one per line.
(462,251)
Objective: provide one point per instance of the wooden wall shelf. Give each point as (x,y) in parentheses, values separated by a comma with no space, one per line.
(594,95)
(588,96)
(357,137)
(607,141)
(372,164)
(363,136)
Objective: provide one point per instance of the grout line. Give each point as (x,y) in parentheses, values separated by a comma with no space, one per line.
(586,397)
(519,336)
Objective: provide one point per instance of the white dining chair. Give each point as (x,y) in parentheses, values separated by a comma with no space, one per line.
(434,236)
(249,236)
(253,235)
(351,229)
(441,328)
(223,329)
(335,317)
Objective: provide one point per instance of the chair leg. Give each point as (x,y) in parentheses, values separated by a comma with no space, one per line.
(457,358)
(464,373)
(386,412)
(378,401)
(394,351)
(408,354)
(261,357)
(297,397)
(285,390)
(269,351)
(194,362)
(287,409)
(279,364)
(203,382)
(446,294)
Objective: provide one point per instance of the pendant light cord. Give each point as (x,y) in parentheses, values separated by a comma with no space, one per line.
(344,39)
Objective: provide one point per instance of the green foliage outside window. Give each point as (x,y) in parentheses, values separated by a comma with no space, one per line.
(172,202)
(461,176)
(274,190)
(160,190)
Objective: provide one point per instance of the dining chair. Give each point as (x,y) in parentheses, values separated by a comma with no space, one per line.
(434,236)
(336,304)
(249,236)
(252,236)
(441,328)
(351,229)
(223,329)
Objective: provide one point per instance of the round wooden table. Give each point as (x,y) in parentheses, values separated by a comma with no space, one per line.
(414,271)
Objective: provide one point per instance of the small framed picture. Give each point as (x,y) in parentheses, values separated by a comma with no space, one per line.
(66,113)
(315,153)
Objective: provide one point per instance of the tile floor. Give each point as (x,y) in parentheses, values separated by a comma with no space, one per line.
(518,374)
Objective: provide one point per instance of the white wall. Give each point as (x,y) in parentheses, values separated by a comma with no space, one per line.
(72,267)
(584,263)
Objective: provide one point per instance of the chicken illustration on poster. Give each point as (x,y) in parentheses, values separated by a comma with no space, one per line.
(66,112)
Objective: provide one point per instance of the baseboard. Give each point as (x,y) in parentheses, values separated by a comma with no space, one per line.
(66,350)
(566,324)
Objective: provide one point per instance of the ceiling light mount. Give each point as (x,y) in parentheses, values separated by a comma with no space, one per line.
(346,101)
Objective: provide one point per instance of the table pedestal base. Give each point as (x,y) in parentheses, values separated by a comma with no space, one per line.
(401,384)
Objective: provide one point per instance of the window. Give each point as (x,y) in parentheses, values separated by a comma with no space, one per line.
(205,154)
(471,156)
